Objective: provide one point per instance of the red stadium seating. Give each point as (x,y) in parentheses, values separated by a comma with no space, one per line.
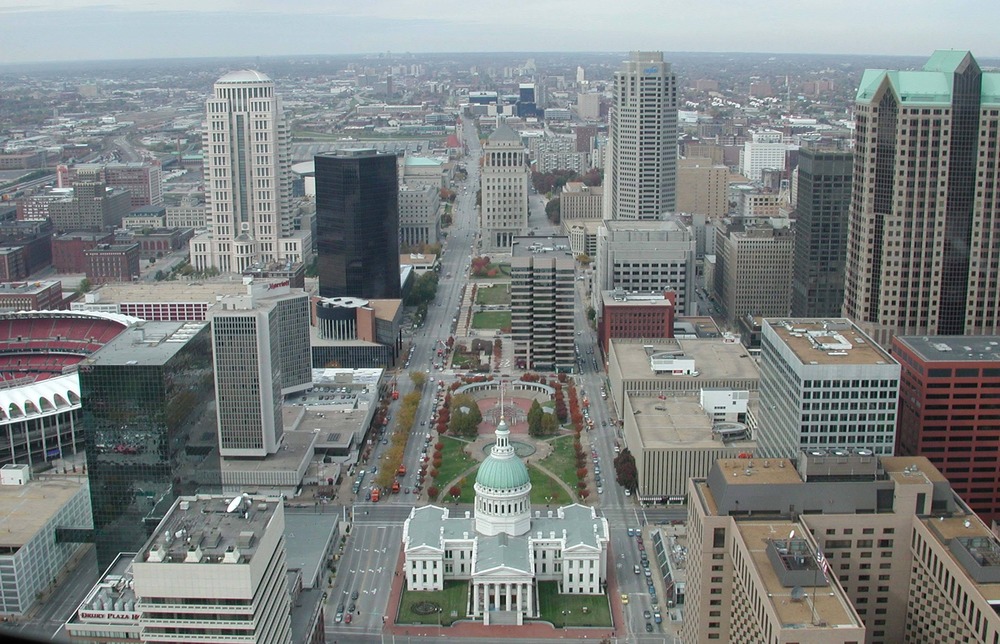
(48,343)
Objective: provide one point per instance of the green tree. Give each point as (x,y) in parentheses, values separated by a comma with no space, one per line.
(535,414)
(550,424)
(552,210)
(465,416)
(419,378)
(584,259)
(84,286)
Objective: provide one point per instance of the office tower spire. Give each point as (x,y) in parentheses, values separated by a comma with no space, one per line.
(641,177)
(921,259)
(247,176)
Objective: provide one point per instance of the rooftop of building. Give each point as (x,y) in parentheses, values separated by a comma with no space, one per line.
(796,607)
(245,76)
(670,225)
(713,358)
(110,248)
(415,161)
(148,344)
(953,348)
(199,291)
(27,288)
(696,326)
(621,298)
(82,235)
(112,599)
(25,509)
(678,422)
(295,450)
(834,341)
(148,211)
(352,153)
(210,529)
(911,469)
(580,188)
(773,471)
(552,246)
(418,259)
(931,85)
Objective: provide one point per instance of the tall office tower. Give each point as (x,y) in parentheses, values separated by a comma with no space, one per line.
(823,200)
(146,403)
(702,187)
(947,412)
(752,257)
(824,384)
(642,139)
(504,184)
(215,570)
(261,352)
(357,224)
(845,548)
(922,244)
(248,186)
(541,303)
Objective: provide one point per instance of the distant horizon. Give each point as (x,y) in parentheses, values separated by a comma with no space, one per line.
(402,55)
(54,31)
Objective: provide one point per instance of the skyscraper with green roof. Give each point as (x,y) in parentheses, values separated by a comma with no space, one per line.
(923,252)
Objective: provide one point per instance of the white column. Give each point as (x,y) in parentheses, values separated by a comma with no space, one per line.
(476,592)
(507,590)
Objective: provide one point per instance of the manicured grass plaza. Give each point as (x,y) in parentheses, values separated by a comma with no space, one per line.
(454,461)
(568,610)
(491,320)
(416,606)
(543,487)
(562,460)
(493,295)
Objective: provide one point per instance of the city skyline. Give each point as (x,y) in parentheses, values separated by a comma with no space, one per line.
(117,29)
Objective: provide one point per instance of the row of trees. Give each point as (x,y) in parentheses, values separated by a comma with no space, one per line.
(541,423)
(547,182)
(393,455)
(464,416)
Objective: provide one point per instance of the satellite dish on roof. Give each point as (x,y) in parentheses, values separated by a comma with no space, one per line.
(798,594)
(235,503)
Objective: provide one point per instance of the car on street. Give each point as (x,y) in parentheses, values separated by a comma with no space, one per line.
(656,617)
(649,627)
(600,490)
(347,619)
(647,615)
(624,598)
(354,595)
(636,570)
(350,609)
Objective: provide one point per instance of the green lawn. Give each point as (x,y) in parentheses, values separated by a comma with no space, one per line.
(452,600)
(464,361)
(491,320)
(543,486)
(453,462)
(493,295)
(503,270)
(567,610)
(562,460)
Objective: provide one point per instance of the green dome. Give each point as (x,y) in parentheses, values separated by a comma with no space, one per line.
(502,473)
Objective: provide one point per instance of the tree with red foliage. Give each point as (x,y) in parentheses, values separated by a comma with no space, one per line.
(581,473)
(455,491)
(584,493)
(432,492)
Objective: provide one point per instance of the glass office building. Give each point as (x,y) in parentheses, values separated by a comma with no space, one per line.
(150,429)
(357,224)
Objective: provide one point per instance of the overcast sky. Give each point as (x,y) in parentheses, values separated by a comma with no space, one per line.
(44,30)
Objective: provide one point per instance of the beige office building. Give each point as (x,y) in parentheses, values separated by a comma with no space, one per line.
(702,187)
(841,547)
(214,570)
(580,201)
(504,184)
(753,268)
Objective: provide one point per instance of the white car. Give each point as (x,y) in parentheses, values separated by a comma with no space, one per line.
(600,490)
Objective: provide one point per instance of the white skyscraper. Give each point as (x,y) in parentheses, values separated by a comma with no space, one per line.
(641,177)
(505,179)
(247,177)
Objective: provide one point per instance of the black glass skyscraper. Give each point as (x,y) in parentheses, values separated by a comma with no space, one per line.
(357,224)
(823,202)
(150,430)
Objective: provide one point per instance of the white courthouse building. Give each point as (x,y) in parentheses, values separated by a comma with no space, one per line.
(505,548)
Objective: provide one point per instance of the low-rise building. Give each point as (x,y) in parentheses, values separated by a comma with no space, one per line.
(45,295)
(112,263)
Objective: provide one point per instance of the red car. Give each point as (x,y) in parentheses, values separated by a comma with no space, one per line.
(347,618)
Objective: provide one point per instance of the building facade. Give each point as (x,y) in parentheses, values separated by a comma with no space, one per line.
(112,263)
(752,274)
(248,186)
(213,556)
(419,222)
(260,351)
(702,187)
(822,203)
(541,304)
(947,414)
(920,253)
(143,180)
(641,178)
(580,201)
(45,295)
(92,206)
(148,427)
(764,151)
(824,384)
(635,316)
(357,224)
(855,548)
(646,257)
(505,177)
